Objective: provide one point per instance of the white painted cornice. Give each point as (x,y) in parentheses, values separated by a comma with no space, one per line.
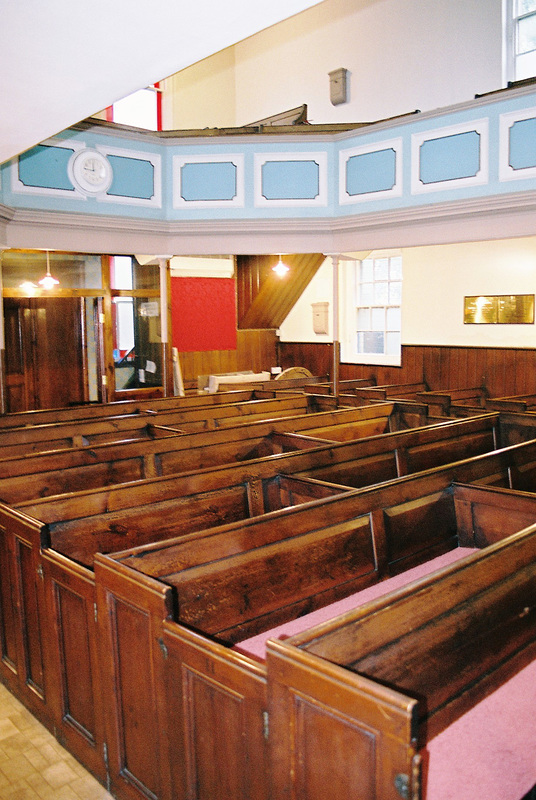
(501,216)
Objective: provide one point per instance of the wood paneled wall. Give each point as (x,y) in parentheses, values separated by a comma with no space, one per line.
(502,371)
(255,350)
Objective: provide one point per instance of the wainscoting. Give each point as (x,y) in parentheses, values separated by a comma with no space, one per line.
(256,350)
(501,371)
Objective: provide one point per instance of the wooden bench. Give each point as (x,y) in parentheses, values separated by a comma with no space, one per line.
(392,675)
(47,612)
(36,438)
(73,469)
(189,601)
(407,391)
(119,408)
(521,402)
(352,464)
(443,402)
(345,386)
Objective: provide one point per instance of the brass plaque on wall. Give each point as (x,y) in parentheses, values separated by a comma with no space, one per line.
(502,309)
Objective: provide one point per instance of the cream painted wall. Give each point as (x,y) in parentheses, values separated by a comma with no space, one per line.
(401,55)
(298,325)
(435,281)
(203,95)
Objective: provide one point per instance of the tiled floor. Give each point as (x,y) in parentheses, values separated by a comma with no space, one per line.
(33,766)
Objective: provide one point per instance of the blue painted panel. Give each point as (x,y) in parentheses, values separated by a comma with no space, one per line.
(450,157)
(290,180)
(133,177)
(371,172)
(211,180)
(522,152)
(45,166)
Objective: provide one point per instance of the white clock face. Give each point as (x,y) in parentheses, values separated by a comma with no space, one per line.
(90,171)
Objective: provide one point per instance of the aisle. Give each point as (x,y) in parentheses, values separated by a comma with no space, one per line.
(33,766)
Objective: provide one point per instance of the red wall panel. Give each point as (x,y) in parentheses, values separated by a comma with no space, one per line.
(203,313)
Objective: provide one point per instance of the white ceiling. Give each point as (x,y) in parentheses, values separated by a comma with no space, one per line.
(64,60)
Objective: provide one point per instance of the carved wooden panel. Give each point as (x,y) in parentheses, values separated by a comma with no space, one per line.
(334,733)
(74,687)
(217,720)
(130,618)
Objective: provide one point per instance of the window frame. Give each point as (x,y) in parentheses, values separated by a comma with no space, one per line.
(350,309)
(510,25)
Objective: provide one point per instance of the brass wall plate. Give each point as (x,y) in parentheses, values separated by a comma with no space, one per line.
(500,309)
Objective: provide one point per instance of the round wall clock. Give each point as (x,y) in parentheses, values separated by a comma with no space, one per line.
(90,171)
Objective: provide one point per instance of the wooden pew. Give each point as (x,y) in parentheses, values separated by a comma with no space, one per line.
(396,672)
(196,598)
(442,401)
(345,386)
(74,469)
(148,405)
(406,391)
(48,622)
(36,438)
(355,464)
(521,402)
(47,612)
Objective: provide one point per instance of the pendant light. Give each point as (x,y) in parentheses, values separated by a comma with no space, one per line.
(48,282)
(280,268)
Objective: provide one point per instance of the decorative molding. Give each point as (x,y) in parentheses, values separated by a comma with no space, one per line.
(500,216)
(507,172)
(236,195)
(372,150)
(447,136)
(155,159)
(18,187)
(317,197)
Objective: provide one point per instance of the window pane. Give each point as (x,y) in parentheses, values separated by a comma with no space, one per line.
(393,319)
(526,66)
(395,270)
(381,269)
(363,319)
(74,271)
(121,272)
(366,273)
(137,342)
(370,342)
(378,319)
(381,293)
(366,294)
(137,109)
(525,7)
(526,34)
(395,292)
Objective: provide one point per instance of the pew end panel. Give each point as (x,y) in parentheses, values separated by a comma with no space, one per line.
(130,619)
(333,729)
(217,719)
(24,655)
(75,693)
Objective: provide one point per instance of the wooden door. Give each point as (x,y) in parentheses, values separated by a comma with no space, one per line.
(334,733)
(45,358)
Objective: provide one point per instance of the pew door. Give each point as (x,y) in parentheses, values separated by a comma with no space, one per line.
(23,662)
(74,680)
(217,720)
(131,609)
(336,734)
